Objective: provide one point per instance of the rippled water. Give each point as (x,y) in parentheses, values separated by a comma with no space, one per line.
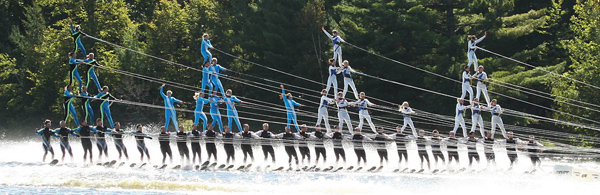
(22,172)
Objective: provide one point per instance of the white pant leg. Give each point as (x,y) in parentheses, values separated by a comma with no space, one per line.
(320,115)
(412,127)
(364,114)
(361,118)
(332,81)
(479,91)
(350,82)
(466,87)
(472,58)
(474,121)
(406,119)
(341,123)
(501,125)
(346,118)
(494,122)
(346,83)
(485,94)
(462,124)
(480,123)
(337,54)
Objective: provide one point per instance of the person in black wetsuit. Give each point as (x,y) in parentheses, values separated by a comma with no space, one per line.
(452,148)
(401,141)
(139,140)
(85,132)
(472,148)
(118,138)
(303,146)
(422,148)
(320,144)
(228,144)
(164,139)
(195,141)
(267,148)
(436,148)
(379,142)
(338,149)
(511,148)
(533,148)
(357,139)
(211,148)
(290,139)
(46,133)
(246,145)
(184,152)
(101,138)
(63,134)
(488,148)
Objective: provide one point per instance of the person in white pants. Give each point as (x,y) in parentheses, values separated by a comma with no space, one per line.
(363,111)
(332,80)
(476,117)
(472,47)
(342,104)
(466,84)
(458,118)
(496,120)
(337,45)
(482,79)
(406,112)
(347,72)
(322,113)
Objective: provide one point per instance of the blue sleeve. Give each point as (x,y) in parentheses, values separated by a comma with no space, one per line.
(39,132)
(220,68)
(295,103)
(98,95)
(283,93)
(72,132)
(176,100)
(94,130)
(206,101)
(208,44)
(77,130)
(162,93)
(56,130)
(72,30)
(235,99)
(68,94)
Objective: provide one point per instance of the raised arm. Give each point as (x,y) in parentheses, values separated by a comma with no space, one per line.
(161,92)
(327,33)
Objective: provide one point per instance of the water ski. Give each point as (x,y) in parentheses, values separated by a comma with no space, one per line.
(112,163)
(132,165)
(290,169)
(248,166)
(435,171)
(98,164)
(177,167)
(278,169)
(372,169)
(380,167)
(241,168)
(396,171)
(142,165)
(317,169)
(197,167)
(443,171)
(267,167)
(403,170)
(205,163)
(221,166)
(350,168)
(328,169)
(358,169)
(121,164)
(421,171)
(462,169)
(53,162)
(412,170)
(106,164)
(339,168)
(203,167)
(229,167)
(212,166)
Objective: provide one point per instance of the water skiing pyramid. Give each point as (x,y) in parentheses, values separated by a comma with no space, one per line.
(213,92)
